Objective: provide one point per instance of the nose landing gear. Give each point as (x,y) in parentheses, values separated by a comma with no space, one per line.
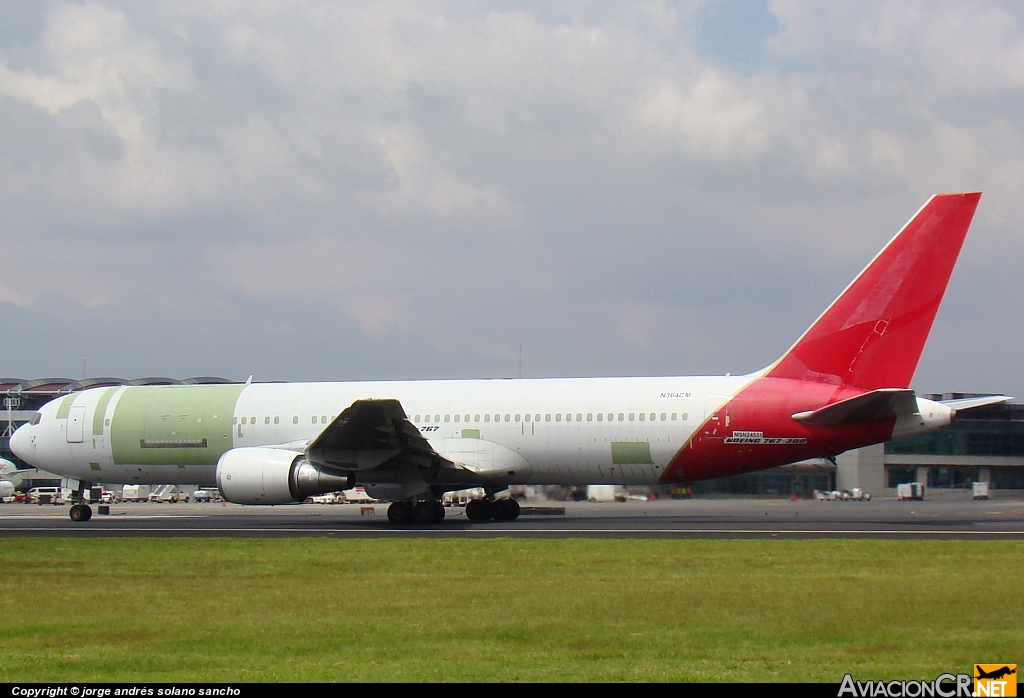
(80,512)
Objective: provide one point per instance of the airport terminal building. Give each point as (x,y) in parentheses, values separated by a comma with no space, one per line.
(985,444)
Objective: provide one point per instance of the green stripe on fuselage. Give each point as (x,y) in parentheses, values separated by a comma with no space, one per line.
(64,408)
(101,411)
(174,424)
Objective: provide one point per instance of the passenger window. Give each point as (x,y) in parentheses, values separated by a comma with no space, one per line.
(437,418)
(547,418)
(684,417)
(266,420)
(508,418)
(277,420)
(642,416)
(295,419)
(323,419)
(314,419)
(621,417)
(466,418)
(663,415)
(526,418)
(106,422)
(517,418)
(600,416)
(487,417)
(457,417)
(234,420)
(426,418)
(631,416)
(558,417)
(590,416)
(497,418)
(579,417)
(447,418)
(476,418)
(536,417)
(674,416)
(245,420)
(252,420)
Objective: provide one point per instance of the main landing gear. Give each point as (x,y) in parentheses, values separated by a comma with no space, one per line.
(477,511)
(405,513)
(80,512)
(482,510)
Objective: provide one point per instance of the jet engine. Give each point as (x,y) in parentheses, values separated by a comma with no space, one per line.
(275,476)
(6,488)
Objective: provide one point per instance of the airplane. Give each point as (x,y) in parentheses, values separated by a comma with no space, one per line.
(995,673)
(844,384)
(11,477)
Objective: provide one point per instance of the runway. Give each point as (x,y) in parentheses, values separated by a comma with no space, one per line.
(698,518)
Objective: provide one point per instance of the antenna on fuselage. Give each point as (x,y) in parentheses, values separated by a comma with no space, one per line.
(248,381)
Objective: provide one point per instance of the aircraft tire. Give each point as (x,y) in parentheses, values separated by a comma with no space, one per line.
(502,510)
(438,513)
(515,509)
(479,511)
(400,513)
(80,512)
(424,513)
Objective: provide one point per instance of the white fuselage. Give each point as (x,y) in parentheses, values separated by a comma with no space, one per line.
(562,428)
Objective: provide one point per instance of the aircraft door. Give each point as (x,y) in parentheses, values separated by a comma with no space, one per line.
(76,425)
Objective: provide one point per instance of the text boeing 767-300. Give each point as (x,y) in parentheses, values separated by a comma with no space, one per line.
(844,384)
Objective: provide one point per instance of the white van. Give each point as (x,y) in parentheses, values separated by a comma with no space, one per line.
(57,495)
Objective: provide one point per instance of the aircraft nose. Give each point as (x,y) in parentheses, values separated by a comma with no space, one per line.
(19,442)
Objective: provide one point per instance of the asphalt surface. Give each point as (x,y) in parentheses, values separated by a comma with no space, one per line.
(697,518)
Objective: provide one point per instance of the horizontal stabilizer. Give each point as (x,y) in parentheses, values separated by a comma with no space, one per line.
(885,403)
(969,403)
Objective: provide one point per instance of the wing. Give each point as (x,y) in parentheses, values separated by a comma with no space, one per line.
(368,434)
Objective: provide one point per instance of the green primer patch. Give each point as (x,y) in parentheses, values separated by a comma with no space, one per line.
(177,424)
(149,609)
(64,408)
(100,412)
(635,452)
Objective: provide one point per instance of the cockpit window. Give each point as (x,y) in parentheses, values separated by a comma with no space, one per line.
(35,418)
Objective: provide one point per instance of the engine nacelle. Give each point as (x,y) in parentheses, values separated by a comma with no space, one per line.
(274,476)
(6,488)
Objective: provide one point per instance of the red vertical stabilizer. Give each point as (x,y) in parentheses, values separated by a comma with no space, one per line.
(872,336)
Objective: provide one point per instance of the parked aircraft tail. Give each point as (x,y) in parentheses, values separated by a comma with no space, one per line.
(872,336)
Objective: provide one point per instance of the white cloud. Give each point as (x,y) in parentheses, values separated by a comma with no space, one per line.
(713,119)
(449,180)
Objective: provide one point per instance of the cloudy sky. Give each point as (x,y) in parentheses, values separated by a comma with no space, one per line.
(318,191)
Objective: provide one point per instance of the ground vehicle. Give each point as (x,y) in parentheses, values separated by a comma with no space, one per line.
(105,497)
(132,493)
(50,495)
(606,493)
(357,495)
(167,493)
(202,496)
(910,490)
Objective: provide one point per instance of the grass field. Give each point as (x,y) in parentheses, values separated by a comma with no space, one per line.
(151,609)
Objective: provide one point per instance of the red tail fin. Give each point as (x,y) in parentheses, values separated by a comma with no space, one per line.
(872,336)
